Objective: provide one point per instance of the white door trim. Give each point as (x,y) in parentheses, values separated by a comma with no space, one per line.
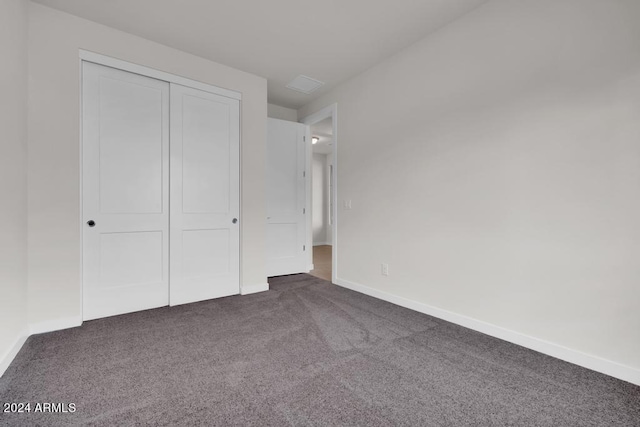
(98,58)
(325,113)
(308,203)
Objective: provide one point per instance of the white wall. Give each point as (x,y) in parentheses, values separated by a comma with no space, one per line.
(282,113)
(54,205)
(319,218)
(495,166)
(13,177)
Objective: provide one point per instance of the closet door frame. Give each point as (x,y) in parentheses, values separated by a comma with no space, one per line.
(96,58)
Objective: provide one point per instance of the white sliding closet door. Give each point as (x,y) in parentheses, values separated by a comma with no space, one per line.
(125,195)
(205,189)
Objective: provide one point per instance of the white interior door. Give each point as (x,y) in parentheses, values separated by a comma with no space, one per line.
(125,194)
(205,195)
(286,198)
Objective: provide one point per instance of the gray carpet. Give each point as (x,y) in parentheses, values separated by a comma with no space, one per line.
(304,353)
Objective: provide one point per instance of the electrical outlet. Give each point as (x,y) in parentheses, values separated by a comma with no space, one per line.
(385,269)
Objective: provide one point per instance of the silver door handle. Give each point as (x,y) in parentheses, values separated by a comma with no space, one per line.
(234,220)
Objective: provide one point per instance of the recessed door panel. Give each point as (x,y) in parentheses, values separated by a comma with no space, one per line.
(125,197)
(205,155)
(283,241)
(205,253)
(131,259)
(284,172)
(130,144)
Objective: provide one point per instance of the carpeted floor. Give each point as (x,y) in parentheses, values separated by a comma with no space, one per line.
(304,353)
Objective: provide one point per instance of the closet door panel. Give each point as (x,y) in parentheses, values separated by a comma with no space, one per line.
(205,203)
(125,194)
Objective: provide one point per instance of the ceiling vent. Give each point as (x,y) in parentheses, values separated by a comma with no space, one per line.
(304,84)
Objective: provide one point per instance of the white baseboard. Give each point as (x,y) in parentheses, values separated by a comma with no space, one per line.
(311,267)
(8,357)
(253,289)
(55,325)
(595,363)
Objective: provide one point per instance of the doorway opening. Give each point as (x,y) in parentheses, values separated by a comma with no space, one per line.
(323,192)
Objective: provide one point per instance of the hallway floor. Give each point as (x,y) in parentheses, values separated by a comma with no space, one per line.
(322,262)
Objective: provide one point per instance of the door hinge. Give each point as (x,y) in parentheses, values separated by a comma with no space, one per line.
(304,138)
(304,211)
(304,174)
(304,247)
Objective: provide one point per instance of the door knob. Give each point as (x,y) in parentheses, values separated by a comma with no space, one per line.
(91,223)
(234,220)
